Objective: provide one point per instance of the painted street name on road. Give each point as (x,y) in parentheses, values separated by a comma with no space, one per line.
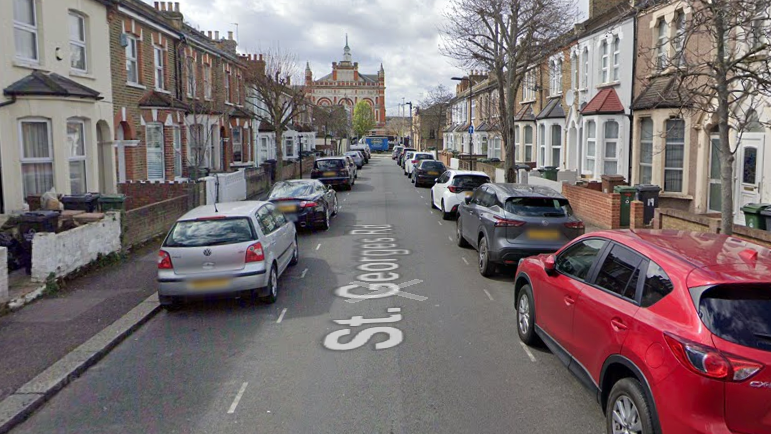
(379,260)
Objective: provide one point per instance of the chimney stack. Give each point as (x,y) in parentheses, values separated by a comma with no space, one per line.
(176,6)
(260,57)
(217,35)
(230,35)
(209,34)
(157,6)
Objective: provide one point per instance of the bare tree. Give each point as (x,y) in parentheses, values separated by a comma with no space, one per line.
(719,57)
(433,111)
(331,121)
(506,37)
(278,102)
(203,121)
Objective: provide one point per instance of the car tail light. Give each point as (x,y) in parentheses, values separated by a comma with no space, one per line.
(254,253)
(453,189)
(501,222)
(574,225)
(307,204)
(413,161)
(164,261)
(710,362)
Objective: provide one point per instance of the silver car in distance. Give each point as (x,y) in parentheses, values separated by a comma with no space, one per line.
(238,248)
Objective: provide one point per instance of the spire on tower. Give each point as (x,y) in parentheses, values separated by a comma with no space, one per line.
(347,51)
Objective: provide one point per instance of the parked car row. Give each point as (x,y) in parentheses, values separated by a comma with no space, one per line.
(243,248)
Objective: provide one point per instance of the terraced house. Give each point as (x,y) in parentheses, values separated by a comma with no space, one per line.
(178,95)
(56,114)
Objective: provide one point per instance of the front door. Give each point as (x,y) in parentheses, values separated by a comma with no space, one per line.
(749,173)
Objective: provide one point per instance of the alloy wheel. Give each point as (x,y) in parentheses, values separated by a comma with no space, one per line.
(482,254)
(523,313)
(626,417)
(273,283)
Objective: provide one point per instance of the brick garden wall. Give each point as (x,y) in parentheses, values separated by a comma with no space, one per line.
(673,219)
(594,207)
(145,223)
(139,194)
(257,182)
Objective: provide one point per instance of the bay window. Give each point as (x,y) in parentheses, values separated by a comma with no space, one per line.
(37,163)
(591,148)
(542,146)
(155,158)
(528,143)
(556,145)
(237,145)
(646,151)
(610,166)
(177,136)
(674,155)
(76,144)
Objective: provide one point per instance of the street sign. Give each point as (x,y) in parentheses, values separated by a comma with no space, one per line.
(471,129)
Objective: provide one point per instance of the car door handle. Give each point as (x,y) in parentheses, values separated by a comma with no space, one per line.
(618,325)
(569,300)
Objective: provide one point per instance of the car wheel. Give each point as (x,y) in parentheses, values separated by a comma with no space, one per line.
(445,215)
(526,316)
(628,411)
(296,254)
(486,268)
(433,205)
(325,223)
(459,235)
(170,303)
(336,209)
(272,287)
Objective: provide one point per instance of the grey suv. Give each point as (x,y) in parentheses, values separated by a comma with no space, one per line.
(507,222)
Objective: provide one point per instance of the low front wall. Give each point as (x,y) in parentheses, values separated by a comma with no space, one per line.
(543,182)
(148,222)
(65,252)
(674,219)
(594,207)
(489,169)
(257,182)
(3,275)
(143,193)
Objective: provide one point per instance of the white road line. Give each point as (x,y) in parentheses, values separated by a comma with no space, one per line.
(318,246)
(464,260)
(421,196)
(281,317)
(527,350)
(440,224)
(345,199)
(233,406)
(302,275)
(488,295)
(450,238)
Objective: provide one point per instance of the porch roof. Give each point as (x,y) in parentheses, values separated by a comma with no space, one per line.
(161,100)
(661,92)
(238,112)
(553,109)
(525,113)
(606,102)
(39,83)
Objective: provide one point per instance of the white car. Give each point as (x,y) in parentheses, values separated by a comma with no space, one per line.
(406,160)
(452,187)
(364,148)
(417,158)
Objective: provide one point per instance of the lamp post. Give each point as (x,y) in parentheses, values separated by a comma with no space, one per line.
(300,160)
(471,108)
(412,144)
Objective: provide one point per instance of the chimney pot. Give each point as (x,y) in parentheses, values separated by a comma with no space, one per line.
(176,6)
(260,57)
(163,6)
(157,6)
(217,35)
(209,34)
(230,35)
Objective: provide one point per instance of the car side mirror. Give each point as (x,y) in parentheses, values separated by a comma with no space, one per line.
(549,265)
(467,199)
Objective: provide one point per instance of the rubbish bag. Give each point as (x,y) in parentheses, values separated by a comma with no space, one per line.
(16,253)
(49,201)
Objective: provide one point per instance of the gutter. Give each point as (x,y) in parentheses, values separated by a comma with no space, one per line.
(631,101)
(9,102)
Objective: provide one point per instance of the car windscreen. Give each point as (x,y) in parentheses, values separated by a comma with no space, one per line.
(424,157)
(291,189)
(538,207)
(210,232)
(469,181)
(739,313)
(329,164)
(432,165)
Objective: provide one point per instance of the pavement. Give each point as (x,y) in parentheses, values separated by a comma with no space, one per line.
(441,356)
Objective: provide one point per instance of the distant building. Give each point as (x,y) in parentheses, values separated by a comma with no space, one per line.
(346,86)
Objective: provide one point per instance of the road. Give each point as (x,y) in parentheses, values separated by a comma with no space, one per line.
(454,363)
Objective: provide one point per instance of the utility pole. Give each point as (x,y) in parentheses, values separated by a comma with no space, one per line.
(411,143)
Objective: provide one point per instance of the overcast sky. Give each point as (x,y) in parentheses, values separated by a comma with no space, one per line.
(403,35)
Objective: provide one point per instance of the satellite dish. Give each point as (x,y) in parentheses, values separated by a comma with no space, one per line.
(570,97)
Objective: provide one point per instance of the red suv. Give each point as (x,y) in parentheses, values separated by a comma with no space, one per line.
(671,329)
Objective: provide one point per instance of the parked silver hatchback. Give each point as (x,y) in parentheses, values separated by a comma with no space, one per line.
(238,248)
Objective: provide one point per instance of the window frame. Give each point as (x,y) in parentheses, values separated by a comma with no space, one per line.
(132,42)
(649,165)
(662,41)
(148,126)
(604,62)
(238,143)
(83,44)
(591,137)
(615,140)
(29,28)
(176,134)
(556,144)
(585,78)
(678,41)
(227,87)
(528,145)
(190,85)
(616,56)
(39,160)
(78,159)
(643,265)
(159,67)
(668,144)
(207,82)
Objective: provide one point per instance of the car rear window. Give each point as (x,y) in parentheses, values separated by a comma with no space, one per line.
(210,232)
(538,207)
(292,189)
(329,164)
(469,181)
(432,165)
(424,157)
(739,313)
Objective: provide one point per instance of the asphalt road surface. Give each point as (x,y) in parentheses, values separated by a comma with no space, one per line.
(449,359)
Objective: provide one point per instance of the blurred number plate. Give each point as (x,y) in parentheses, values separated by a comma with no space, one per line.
(469,193)
(209,284)
(330,173)
(433,173)
(287,208)
(537,234)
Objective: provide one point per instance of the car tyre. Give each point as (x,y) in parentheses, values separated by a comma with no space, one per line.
(628,410)
(272,287)
(325,224)
(433,205)
(170,303)
(445,215)
(336,208)
(526,316)
(459,240)
(486,267)
(296,254)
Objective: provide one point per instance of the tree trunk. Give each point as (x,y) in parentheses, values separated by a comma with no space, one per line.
(726,156)
(279,154)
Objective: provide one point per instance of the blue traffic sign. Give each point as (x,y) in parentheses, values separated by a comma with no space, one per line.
(471,129)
